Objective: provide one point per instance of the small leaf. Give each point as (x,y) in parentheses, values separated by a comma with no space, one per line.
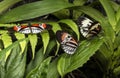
(4,51)
(41,70)
(85,50)
(55,28)
(72,25)
(6,42)
(33,42)
(23,43)
(45,40)
(3,31)
(33,10)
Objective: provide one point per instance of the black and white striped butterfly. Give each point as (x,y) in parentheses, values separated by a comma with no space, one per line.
(68,43)
(88,28)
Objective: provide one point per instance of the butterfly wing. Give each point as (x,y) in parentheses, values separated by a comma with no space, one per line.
(32,29)
(88,28)
(68,43)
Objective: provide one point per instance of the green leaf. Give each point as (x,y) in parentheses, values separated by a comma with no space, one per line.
(3,31)
(118,14)
(116,61)
(98,16)
(52,70)
(38,59)
(79,2)
(72,25)
(41,70)
(109,35)
(4,51)
(85,50)
(55,28)
(15,65)
(115,5)
(62,14)
(23,43)
(45,39)
(118,27)
(50,47)
(109,11)
(117,71)
(33,10)
(33,42)
(6,42)
(6,4)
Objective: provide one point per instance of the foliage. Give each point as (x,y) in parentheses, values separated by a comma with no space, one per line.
(40,55)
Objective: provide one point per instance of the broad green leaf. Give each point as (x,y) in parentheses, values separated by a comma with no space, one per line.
(15,65)
(116,62)
(105,51)
(4,51)
(118,14)
(115,5)
(118,27)
(85,50)
(102,59)
(45,39)
(33,42)
(109,34)
(38,59)
(50,47)
(62,14)
(109,11)
(6,42)
(2,70)
(33,10)
(6,4)
(91,12)
(23,43)
(41,70)
(72,25)
(52,70)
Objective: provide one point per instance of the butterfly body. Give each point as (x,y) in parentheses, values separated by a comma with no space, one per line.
(68,43)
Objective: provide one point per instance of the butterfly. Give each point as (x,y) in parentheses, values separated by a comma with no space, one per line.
(32,28)
(68,43)
(88,28)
